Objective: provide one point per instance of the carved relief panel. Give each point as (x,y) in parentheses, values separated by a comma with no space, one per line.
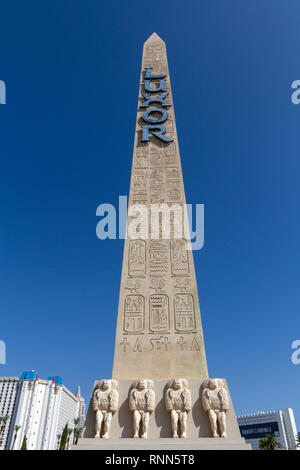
(179,258)
(141,150)
(139,179)
(158,258)
(170,149)
(159,315)
(173,194)
(156,195)
(156,160)
(184,313)
(134,314)
(141,162)
(137,258)
(172,172)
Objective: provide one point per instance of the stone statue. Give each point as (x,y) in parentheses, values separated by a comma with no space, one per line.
(105,403)
(215,404)
(178,403)
(141,403)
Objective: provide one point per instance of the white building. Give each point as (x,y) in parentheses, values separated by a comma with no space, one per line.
(8,394)
(81,410)
(41,408)
(281,423)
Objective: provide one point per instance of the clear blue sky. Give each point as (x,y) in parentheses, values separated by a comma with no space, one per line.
(72,71)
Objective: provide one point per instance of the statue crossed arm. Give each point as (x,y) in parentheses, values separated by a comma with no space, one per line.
(178,403)
(141,404)
(105,404)
(215,403)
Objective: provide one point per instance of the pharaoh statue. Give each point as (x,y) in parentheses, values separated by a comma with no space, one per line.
(215,404)
(178,403)
(141,403)
(105,403)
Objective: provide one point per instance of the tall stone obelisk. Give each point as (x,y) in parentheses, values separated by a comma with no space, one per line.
(159,331)
(160,388)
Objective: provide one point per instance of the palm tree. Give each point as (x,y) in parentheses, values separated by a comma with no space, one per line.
(77,434)
(76,422)
(70,430)
(17,427)
(3,421)
(62,444)
(269,443)
(297,441)
(24,444)
(58,440)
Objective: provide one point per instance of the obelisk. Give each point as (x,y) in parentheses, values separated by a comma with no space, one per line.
(160,388)
(159,332)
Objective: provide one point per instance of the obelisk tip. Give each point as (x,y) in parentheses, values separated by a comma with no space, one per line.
(154,38)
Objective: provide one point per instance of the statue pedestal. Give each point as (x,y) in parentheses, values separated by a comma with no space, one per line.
(199,435)
(202,443)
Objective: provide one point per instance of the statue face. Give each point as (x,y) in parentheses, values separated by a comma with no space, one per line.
(213,384)
(142,384)
(177,384)
(105,385)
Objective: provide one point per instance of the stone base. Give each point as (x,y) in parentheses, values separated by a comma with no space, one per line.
(203,443)
(199,435)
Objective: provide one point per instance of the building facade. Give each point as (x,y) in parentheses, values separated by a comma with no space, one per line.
(8,394)
(81,409)
(281,423)
(40,408)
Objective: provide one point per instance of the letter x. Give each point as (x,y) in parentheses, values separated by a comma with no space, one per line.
(158,99)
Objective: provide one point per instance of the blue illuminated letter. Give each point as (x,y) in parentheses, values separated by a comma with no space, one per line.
(160,135)
(156,99)
(162,86)
(149,74)
(164,115)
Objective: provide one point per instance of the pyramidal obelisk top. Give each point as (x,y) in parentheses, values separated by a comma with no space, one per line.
(159,331)
(154,38)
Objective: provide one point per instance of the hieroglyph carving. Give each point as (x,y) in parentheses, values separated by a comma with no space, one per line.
(179,258)
(173,194)
(133,285)
(154,51)
(158,285)
(182,284)
(159,313)
(158,258)
(137,346)
(215,403)
(105,403)
(141,403)
(178,403)
(170,149)
(160,343)
(137,258)
(184,313)
(134,314)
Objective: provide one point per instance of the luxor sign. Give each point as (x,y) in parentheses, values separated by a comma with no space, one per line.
(154,124)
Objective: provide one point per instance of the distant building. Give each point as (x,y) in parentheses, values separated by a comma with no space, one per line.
(40,407)
(281,423)
(8,394)
(81,409)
